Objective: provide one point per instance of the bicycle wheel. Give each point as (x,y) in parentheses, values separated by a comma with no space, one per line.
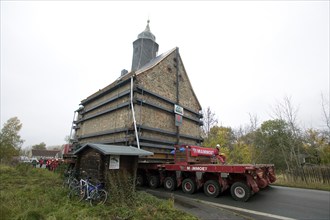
(98,197)
(73,183)
(77,193)
(66,182)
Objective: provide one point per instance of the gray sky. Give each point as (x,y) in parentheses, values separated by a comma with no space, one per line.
(242,57)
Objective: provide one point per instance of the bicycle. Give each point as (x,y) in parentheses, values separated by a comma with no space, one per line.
(70,179)
(86,190)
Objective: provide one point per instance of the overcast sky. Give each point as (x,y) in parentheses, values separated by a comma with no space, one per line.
(242,57)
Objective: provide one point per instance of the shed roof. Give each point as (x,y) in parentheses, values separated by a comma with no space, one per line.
(107,149)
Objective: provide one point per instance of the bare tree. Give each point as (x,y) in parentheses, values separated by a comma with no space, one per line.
(326,114)
(253,122)
(247,129)
(209,120)
(287,112)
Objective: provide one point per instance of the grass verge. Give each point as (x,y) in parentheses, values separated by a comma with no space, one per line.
(281,180)
(28,193)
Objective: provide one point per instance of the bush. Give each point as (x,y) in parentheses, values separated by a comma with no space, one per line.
(121,188)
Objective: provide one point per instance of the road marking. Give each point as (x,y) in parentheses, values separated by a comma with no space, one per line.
(154,192)
(248,211)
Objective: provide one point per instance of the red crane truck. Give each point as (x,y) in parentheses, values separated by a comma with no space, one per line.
(196,167)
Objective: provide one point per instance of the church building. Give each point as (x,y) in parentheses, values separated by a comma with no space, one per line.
(153,107)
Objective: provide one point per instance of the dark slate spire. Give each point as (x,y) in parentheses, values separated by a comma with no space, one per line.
(146,34)
(145,48)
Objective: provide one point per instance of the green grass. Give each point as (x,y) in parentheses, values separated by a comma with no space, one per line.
(28,193)
(282,181)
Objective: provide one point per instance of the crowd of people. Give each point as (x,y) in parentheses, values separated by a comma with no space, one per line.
(51,164)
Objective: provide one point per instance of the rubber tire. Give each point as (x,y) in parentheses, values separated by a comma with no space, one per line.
(98,197)
(212,188)
(74,183)
(66,182)
(77,194)
(188,186)
(240,191)
(170,183)
(140,180)
(154,182)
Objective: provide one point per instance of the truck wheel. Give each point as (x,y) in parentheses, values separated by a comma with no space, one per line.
(240,191)
(212,188)
(188,186)
(170,183)
(154,182)
(139,180)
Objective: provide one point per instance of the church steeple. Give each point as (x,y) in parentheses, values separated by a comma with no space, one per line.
(145,48)
(147,33)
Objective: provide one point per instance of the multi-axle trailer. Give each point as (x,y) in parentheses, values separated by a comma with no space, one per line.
(196,168)
(153,108)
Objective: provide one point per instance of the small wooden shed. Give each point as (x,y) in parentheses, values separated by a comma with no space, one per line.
(99,159)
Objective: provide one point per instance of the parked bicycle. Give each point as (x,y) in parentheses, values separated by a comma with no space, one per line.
(95,194)
(70,181)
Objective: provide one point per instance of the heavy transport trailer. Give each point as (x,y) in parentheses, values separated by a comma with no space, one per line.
(196,168)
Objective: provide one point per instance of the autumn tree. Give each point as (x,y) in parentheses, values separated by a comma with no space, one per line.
(10,140)
(224,136)
(220,135)
(240,154)
(273,144)
(316,147)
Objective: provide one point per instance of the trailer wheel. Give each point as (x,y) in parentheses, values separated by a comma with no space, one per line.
(212,188)
(139,180)
(154,182)
(240,191)
(170,183)
(188,186)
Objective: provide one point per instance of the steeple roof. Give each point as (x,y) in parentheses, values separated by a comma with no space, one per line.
(146,34)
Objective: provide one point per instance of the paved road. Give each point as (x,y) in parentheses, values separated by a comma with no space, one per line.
(273,203)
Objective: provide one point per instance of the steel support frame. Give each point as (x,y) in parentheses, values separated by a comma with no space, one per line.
(122,105)
(173,134)
(102,133)
(102,93)
(141,101)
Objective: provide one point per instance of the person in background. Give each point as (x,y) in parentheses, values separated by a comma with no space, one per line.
(41,162)
(34,163)
(221,157)
(48,164)
(54,164)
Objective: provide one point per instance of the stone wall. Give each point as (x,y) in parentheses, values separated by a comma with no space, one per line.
(157,113)
(107,114)
(92,165)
